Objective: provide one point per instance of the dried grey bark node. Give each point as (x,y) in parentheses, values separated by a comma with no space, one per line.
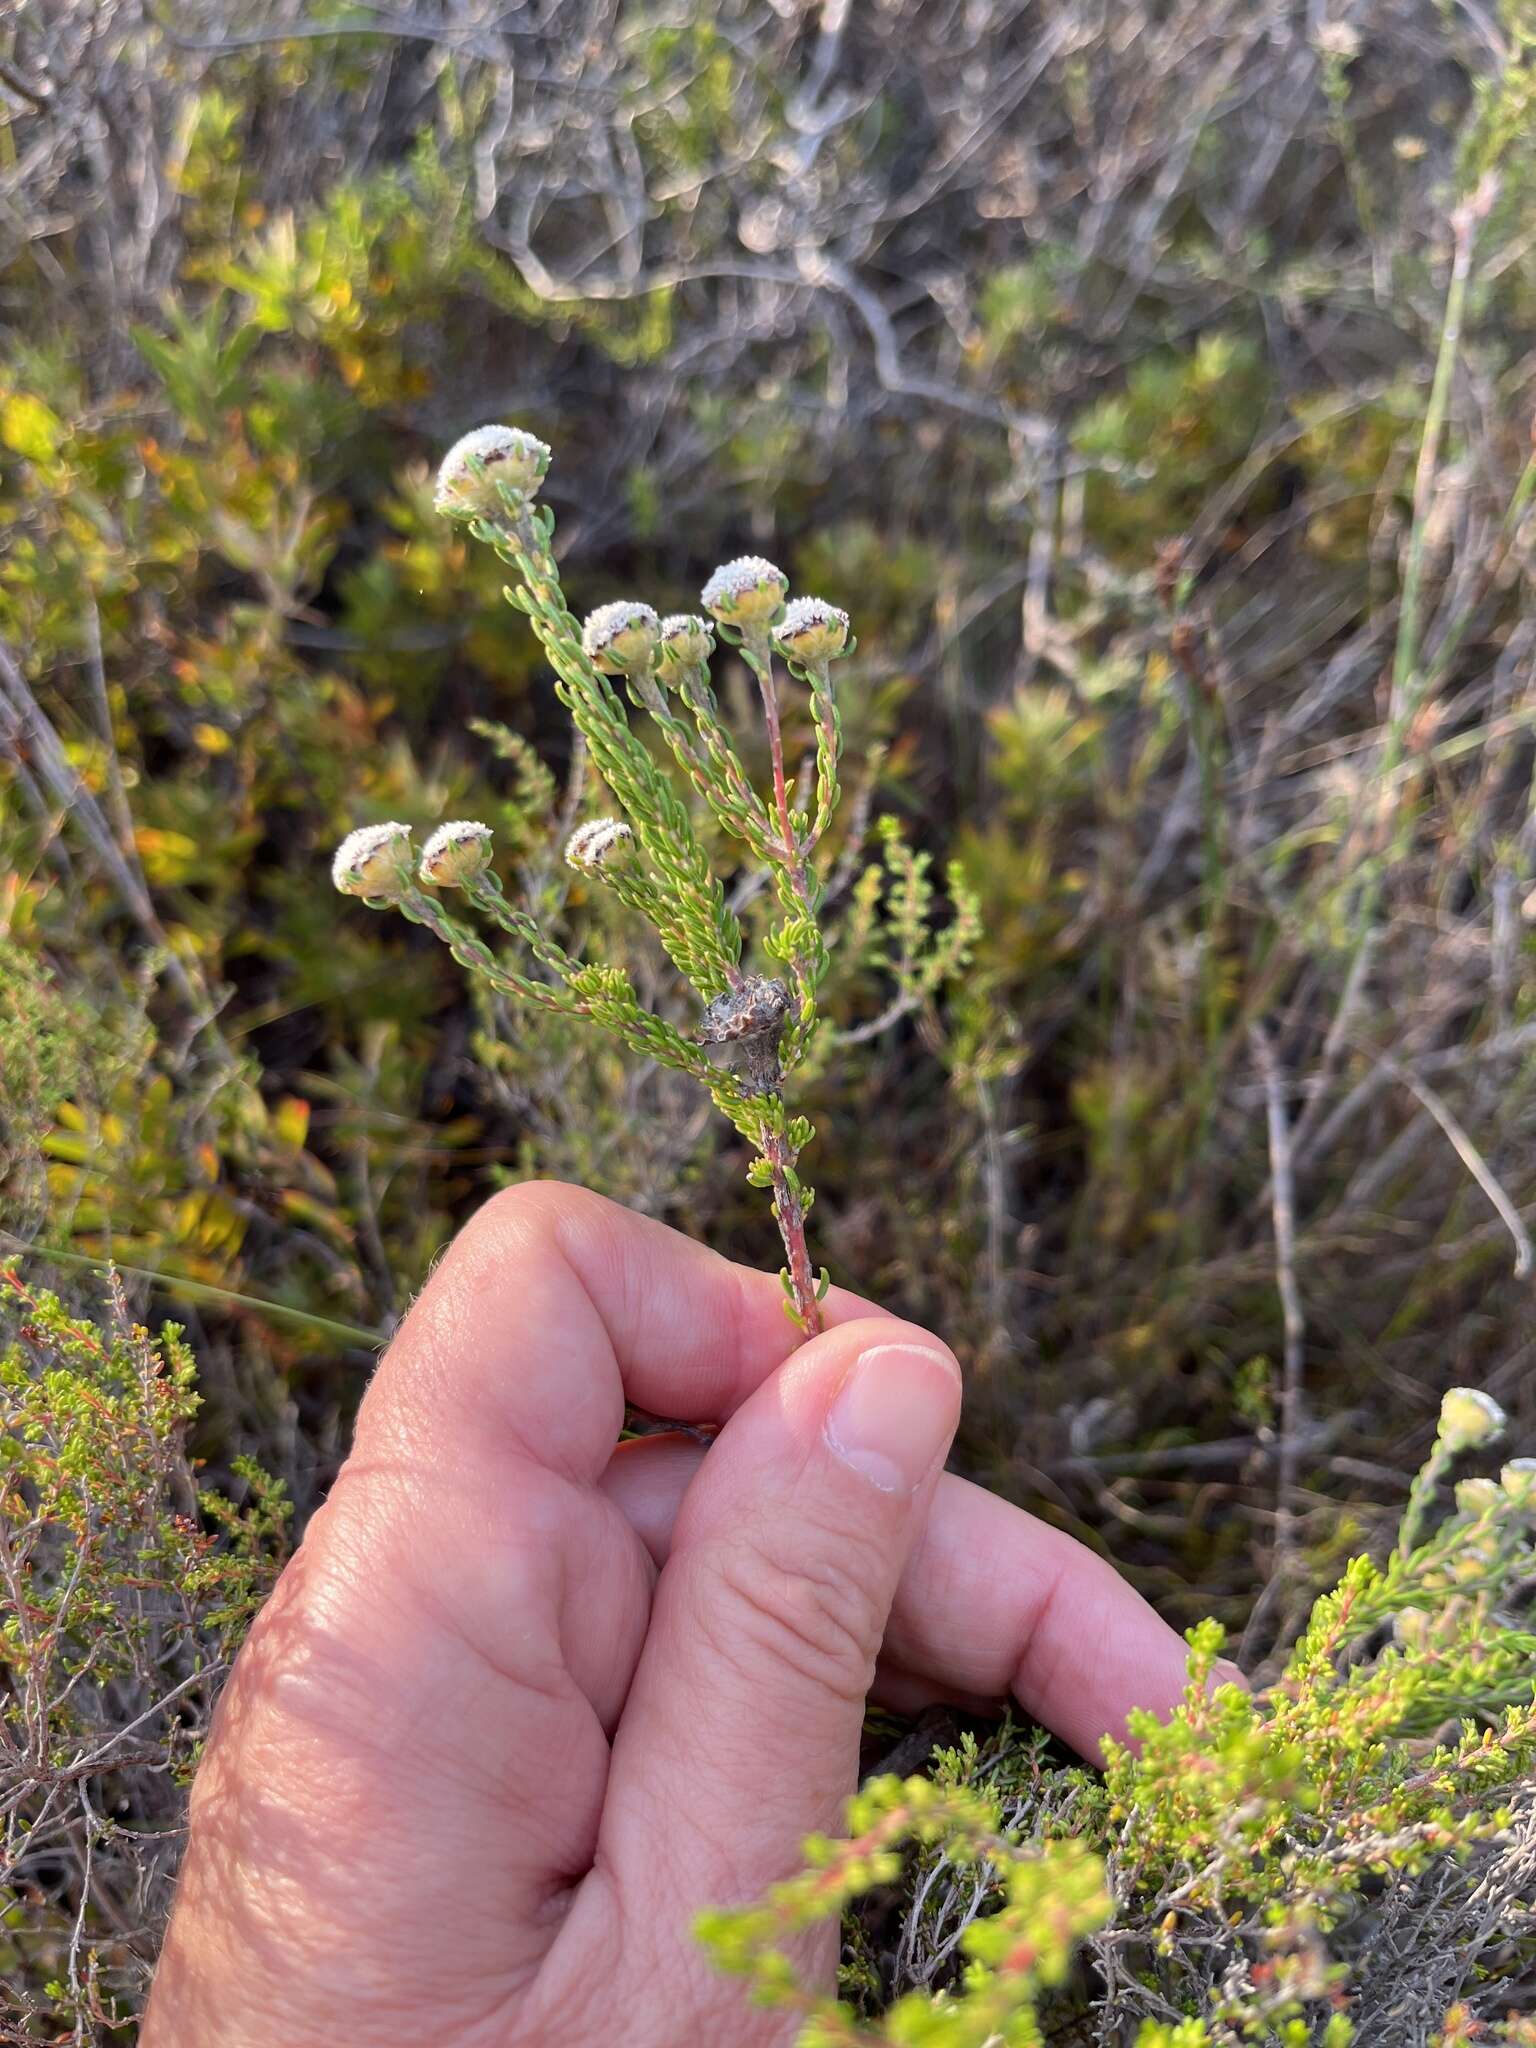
(744,1026)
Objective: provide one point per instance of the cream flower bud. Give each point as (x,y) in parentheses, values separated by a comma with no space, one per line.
(455,854)
(1338,40)
(620,636)
(1469,1418)
(1411,1627)
(504,455)
(812,630)
(375,860)
(1518,1480)
(745,592)
(686,642)
(1477,1496)
(600,843)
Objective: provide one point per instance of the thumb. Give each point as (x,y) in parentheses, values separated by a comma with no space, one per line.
(741,1732)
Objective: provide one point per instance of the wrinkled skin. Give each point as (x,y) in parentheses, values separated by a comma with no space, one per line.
(524,1701)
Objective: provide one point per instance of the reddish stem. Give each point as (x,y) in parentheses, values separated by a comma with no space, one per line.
(802,1278)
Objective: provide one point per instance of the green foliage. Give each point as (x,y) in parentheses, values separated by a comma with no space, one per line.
(50,1050)
(127,1588)
(1047,1898)
(1164,443)
(1222,1868)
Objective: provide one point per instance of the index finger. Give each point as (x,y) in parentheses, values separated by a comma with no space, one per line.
(552,1308)
(993,1605)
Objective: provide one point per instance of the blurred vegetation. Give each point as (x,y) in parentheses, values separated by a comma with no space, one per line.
(1153,385)
(128,1590)
(1336,1860)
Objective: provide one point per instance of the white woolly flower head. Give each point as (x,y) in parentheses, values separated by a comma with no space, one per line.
(1518,1480)
(500,455)
(1469,1418)
(600,843)
(620,636)
(687,641)
(375,860)
(1336,39)
(745,592)
(455,854)
(812,630)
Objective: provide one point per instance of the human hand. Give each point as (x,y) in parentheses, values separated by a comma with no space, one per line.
(524,1702)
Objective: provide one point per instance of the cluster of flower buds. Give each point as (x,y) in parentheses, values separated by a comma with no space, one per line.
(754,1025)
(491,461)
(746,593)
(379,861)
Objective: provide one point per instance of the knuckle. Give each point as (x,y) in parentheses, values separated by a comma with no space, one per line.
(515,1223)
(512,1223)
(817,1618)
(512,1214)
(533,1216)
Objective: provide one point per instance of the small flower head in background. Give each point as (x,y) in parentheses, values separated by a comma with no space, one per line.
(471,473)
(1518,1480)
(600,843)
(1338,41)
(1469,1419)
(811,630)
(620,636)
(1476,1496)
(375,860)
(687,641)
(455,854)
(746,592)
(1412,1628)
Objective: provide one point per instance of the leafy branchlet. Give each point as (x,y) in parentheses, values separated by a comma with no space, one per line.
(1219,1870)
(125,1590)
(757,1025)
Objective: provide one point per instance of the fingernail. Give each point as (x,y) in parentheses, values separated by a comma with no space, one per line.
(895,1414)
(1225,1672)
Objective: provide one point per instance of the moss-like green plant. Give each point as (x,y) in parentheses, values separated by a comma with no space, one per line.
(757,1024)
(1259,1868)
